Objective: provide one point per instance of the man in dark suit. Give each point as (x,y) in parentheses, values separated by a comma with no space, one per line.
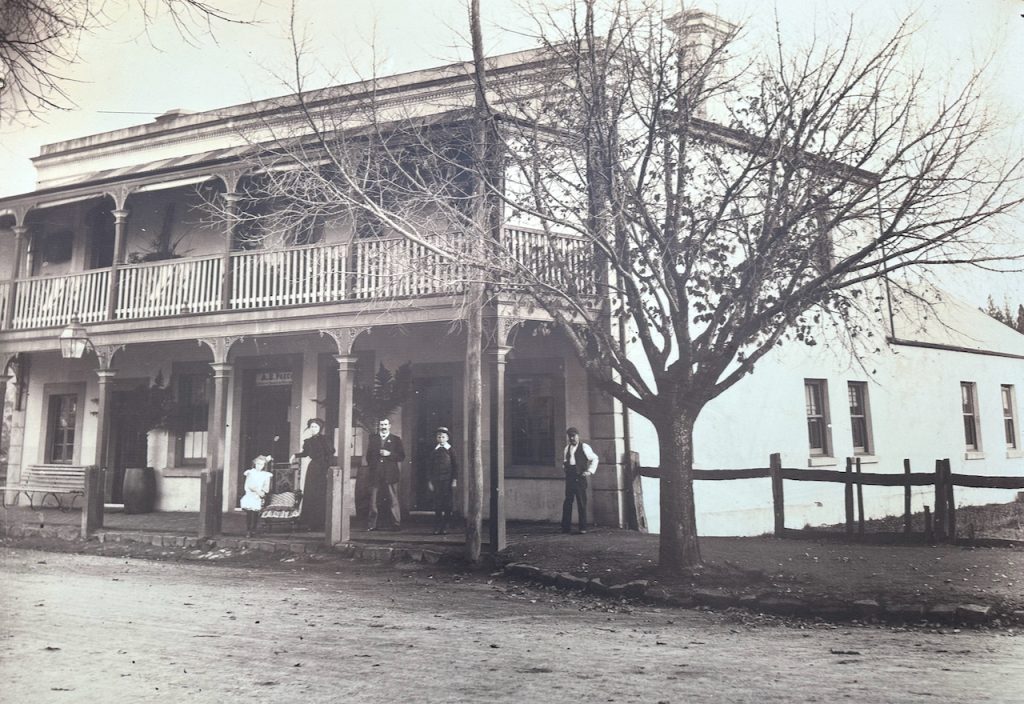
(384,453)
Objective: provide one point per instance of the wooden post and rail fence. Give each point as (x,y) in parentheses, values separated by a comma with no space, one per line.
(940,526)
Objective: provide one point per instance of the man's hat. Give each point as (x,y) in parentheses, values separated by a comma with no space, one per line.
(442,429)
(572,431)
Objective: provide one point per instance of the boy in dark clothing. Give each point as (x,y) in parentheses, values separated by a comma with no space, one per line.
(443,472)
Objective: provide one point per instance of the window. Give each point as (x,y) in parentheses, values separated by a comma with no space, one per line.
(1009,416)
(194,406)
(860,420)
(818,427)
(969,404)
(532,399)
(61,425)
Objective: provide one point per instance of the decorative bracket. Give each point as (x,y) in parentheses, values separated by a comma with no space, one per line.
(119,194)
(105,355)
(345,338)
(7,360)
(231,179)
(503,329)
(220,346)
(18,210)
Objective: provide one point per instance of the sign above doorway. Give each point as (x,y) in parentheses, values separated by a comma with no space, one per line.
(274,378)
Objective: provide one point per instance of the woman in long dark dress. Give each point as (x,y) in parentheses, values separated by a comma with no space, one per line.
(318,449)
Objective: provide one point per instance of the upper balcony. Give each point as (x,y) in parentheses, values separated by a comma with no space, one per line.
(358,271)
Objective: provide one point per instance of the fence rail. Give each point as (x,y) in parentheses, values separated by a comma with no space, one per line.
(942,527)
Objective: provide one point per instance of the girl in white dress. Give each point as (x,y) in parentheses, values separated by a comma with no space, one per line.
(257,486)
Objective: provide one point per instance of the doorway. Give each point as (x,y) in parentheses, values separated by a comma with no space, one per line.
(129,438)
(266,429)
(433,403)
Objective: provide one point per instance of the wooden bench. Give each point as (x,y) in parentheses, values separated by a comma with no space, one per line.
(54,480)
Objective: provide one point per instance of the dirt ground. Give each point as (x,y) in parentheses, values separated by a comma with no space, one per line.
(812,568)
(85,628)
(820,570)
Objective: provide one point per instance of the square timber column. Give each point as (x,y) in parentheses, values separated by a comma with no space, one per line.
(607,437)
(93,511)
(497,357)
(339,519)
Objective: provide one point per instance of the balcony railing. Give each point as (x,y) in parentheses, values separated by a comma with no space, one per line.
(367,269)
(55,300)
(168,288)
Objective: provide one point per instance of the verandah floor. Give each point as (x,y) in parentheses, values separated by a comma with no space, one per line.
(417,528)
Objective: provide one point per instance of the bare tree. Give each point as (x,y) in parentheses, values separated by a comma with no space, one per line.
(39,41)
(728,207)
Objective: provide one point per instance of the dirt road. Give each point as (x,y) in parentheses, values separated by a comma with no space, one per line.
(99,629)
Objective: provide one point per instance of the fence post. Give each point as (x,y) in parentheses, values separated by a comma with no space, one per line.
(929,534)
(947,477)
(860,502)
(906,496)
(848,490)
(940,503)
(636,515)
(92,501)
(778,500)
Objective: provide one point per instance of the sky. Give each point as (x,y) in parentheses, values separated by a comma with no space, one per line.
(127,73)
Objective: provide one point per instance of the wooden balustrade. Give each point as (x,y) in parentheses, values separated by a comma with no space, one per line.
(288,277)
(556,260)
(367,269)
(169,288)
(53,301)
(391,268)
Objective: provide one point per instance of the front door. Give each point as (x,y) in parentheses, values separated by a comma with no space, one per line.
(433,404)
(267,426)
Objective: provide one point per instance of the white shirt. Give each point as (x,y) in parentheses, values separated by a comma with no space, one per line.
(570,456)
(444,445)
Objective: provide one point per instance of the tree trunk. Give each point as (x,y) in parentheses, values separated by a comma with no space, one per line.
(475,302)
(677,548)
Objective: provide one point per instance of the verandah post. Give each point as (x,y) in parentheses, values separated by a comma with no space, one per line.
(210,498)
(778,501)
(637,515)
(92,501)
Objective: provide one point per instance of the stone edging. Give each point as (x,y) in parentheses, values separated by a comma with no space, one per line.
(713,599)
(368,553)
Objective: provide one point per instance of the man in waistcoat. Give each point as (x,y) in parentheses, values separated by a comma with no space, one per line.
(384,453)
(579,462)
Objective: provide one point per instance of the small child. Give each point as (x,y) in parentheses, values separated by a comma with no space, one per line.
(443,474)
(257,486)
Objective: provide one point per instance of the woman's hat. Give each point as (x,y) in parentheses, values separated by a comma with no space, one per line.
(442,429)
(317,421)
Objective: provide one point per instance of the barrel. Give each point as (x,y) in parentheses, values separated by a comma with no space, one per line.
(139,490)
